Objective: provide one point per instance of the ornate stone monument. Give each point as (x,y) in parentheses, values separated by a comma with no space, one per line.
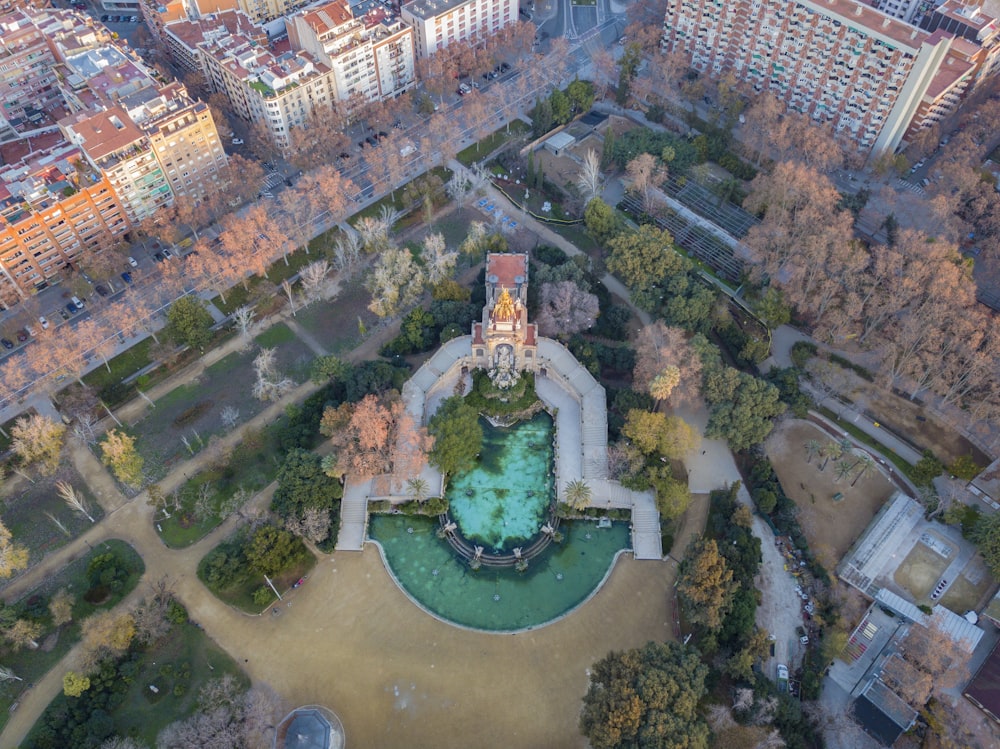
(504,343)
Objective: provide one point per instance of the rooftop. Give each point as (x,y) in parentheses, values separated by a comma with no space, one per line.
(102,133)
(425,9)
(882,713)
(509,269)
(984,689)
(870,21)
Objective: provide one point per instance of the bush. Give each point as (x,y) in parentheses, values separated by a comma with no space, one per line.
(802,352)
(927,469)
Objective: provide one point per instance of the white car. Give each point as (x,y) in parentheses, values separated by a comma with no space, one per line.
(133,262)
(237,141)
(43,322)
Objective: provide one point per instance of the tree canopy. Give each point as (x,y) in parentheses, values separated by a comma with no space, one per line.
(188,322)
(644,258)
(743,407)
(458,436)
(705,585)
(646,697)
(303,485)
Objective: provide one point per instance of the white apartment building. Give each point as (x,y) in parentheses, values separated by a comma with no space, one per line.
(371,55)
(839,61)
(438,23)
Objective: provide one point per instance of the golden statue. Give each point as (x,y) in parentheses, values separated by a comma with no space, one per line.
(503,310)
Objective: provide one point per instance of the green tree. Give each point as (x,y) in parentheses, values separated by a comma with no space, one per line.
(303,485)
(608,149)
(644,258)
(75,684)
(541,118)
(743,407)
(458,436)
(986,535)
(672,496)
(601,220)
(329,368)
(188,322)
(705,585)
(118,451)
(772,308)
(561,107)
(272,550)
(628,66)
(13,557)
(964,467)
(927,469)
(581,95)
(646,697)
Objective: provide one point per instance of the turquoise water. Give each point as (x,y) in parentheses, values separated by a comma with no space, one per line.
(493,599)
(503,502)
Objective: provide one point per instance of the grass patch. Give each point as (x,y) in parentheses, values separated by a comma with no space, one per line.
(276,335)
(490,143)
(32,665)
(578,236)
(335,323)
(226,572)
(185,658)
(125,364)
(178,665)
(251,467)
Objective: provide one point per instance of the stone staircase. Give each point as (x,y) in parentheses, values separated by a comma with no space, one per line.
(646,540)
(353,518)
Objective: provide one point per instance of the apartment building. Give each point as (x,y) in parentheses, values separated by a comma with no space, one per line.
(978,30)
(371,55)
(54,207)
(438,23)
(839,61)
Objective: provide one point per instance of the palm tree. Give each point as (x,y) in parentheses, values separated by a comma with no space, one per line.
(813,448)
(829,450)
(866,467)
(578,494)
(843,470)
(417,488)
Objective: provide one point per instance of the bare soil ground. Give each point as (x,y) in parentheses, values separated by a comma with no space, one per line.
(920,571)
(831,527)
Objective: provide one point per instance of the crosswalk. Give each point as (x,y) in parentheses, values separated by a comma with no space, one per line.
(272,180)
(904,185)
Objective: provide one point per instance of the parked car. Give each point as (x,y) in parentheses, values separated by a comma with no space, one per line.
(237,141)
(43,322)
(127,277)
(371,141)
(167,254)
(63,314)
(77,301)
(7,343)
(133,262)
(101,290)
(158,257)
(22,335)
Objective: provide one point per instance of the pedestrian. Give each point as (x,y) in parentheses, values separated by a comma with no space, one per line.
(703,452)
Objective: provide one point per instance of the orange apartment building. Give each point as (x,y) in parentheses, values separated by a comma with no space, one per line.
(55,207)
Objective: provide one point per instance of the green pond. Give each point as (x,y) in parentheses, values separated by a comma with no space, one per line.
(497,599)
(501,504)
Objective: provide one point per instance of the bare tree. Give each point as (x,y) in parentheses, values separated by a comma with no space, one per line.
(7,674)
(72,498)
(659,347)
(243,317)
(439,263)
(312,278)
(347,250)
(270,383)
(590,180)
(314,525)
(230,416)
(396,282)
(566,309)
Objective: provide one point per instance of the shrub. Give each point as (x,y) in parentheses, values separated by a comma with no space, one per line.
(193,413)
(802,352)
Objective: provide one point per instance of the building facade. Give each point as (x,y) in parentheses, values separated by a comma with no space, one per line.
(838,61)
(438,23)
(54,207)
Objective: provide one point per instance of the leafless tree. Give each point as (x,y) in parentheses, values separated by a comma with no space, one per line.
(243,317)
(312,278)
(314,525)
(590,180)
(439,263)
(73,499)
(346,251)
(396,282)
(270,383)
(7,674)
(230,416)
(566,309)
(122,742)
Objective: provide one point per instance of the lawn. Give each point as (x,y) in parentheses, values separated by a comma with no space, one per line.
(338,323)
(490,143)
(38,517)
(242,581)
(125,364)
(31,665)
(193,411)
(183,662)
